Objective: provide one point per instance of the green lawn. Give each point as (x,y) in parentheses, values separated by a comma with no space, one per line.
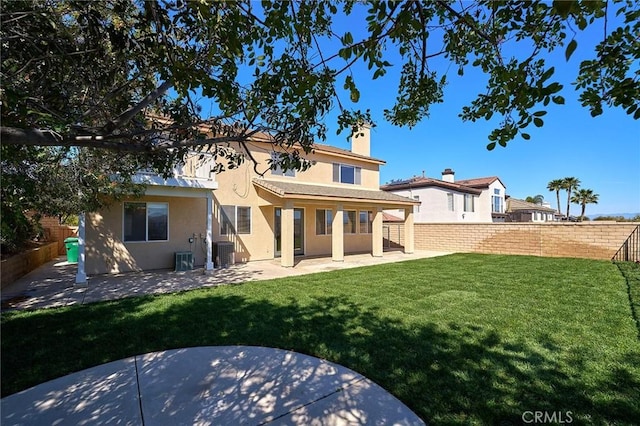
(460,339)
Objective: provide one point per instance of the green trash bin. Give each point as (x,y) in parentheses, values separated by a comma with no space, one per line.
(71,244)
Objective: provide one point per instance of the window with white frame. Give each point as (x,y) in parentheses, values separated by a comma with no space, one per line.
(469,203)
(345,173)
(450,202)
(204,166)
(235,220)
(366,222)
(323,221)
(349,220)
(496,202)
(146,221)
(416,208)
(277,170)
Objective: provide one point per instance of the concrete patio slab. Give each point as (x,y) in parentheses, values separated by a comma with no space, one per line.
(221,385)
(106,394)
(52,285)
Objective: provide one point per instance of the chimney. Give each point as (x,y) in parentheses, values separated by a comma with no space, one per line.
(447,175)
(361,140)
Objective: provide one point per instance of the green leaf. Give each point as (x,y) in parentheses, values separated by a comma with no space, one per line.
(539,113)
(525,136)
(548,73)
(491,146)
(558,100)
(347,38)
(571,47)
(355,95)
(538,122)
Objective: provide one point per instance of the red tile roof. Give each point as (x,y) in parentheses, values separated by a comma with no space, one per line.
(386,217)
(482,182)
(424,182)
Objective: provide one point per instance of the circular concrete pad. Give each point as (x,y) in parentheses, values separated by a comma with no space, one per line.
(221,385)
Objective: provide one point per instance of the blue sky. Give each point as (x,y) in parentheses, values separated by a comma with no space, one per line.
(603,152)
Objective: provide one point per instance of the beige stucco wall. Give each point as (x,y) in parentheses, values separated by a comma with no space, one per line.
(320,174)
(236,188)
(108,253)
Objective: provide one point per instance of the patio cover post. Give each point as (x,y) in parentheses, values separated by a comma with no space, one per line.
(408,230)
(287,235)
(209,263)
(81,276)
(337,234)
(376,235)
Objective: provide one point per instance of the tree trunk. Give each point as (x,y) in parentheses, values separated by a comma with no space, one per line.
(558,199)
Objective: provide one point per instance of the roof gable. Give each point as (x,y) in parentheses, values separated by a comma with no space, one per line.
(482,182)
(425,182)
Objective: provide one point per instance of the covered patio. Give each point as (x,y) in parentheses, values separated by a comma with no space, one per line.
(335,202)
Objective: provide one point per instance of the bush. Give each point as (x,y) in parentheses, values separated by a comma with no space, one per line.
(15,230)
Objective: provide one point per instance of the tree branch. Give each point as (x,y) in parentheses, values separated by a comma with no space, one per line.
(471,25)
(126,116)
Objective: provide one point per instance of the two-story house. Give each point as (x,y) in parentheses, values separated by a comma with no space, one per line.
(447,200)
(334,207)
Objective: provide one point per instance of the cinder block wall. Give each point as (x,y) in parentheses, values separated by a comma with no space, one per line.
(591,240)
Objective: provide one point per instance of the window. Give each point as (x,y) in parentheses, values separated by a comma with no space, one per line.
(278,170)
(243,223)
(323,222)
(450,203)
(366,222)
(496,202)
(416,208)
(468,203)
(205,166)
(344,173)
(146,221)
(349,220)
(235,220)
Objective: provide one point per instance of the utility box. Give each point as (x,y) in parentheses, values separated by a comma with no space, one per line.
(184,261)
(223,254)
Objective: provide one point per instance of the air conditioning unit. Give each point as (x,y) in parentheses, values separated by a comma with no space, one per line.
(223,254)
(184,261)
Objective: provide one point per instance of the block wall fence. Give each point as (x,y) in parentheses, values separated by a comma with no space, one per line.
(590,240)
(23,263)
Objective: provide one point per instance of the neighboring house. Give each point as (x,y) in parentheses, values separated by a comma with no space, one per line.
(447,200)
(333,208)
(522,211)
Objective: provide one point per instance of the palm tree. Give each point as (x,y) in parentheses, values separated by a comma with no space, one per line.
(556,185)
(537,199)
(584,197)
(569,184)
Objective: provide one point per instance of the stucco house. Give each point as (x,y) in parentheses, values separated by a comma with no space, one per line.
(447,200)
(334,207)
(522,211)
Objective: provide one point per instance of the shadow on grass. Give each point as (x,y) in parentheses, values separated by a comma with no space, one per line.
(447,374)
(631,273)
